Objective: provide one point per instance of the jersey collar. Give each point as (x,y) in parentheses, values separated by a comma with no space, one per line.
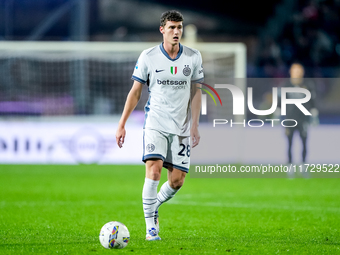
(167,55)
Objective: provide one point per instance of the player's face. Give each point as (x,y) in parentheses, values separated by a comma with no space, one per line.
(297,71)
(172,32)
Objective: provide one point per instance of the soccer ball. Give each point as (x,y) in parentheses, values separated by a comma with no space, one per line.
(114,235)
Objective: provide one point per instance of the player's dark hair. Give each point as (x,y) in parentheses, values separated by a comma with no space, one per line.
(171,16)
(296,62)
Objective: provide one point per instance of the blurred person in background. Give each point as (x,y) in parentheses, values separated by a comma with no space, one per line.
(297,79)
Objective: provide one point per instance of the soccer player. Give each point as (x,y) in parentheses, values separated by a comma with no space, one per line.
(296,73)
(172,72)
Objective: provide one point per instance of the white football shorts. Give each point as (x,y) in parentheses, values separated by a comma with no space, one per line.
(174,150)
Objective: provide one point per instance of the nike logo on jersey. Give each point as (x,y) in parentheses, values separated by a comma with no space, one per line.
(184,162)
(157,71)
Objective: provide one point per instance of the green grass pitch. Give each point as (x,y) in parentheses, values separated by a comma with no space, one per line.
(60,209)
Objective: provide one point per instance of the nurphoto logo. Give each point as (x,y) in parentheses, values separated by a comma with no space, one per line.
(238,99)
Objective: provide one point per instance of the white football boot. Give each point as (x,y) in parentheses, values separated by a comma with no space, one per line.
(152,235)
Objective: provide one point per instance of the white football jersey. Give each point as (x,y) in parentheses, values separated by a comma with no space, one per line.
(169,80)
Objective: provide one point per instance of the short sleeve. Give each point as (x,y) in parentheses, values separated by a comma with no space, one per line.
(140,72)
(198,75)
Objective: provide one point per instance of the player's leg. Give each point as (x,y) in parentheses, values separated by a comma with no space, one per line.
(177,162)
(171,186)
(304,149)
(303,135)
(289,134)
(154,152)
(176,178)
(152,177)
(168,190)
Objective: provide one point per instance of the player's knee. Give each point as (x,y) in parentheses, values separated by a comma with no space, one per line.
(153,170)
(154,173)
(177,183)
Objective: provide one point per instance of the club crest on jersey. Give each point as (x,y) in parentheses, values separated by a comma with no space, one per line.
(150,147)
(173,70)
(186,70)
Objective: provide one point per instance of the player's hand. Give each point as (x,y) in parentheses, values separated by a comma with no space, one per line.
(120,136)
(315,117)
(195,137)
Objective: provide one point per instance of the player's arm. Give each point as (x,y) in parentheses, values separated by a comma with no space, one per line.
(313,110)
(130,104)
(195,113)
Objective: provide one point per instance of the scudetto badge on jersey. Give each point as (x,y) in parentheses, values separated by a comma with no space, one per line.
(173,70)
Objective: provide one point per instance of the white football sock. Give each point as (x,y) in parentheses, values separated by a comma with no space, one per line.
(165,194)
(149,201)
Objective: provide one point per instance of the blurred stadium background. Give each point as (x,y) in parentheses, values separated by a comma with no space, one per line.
(65,67)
